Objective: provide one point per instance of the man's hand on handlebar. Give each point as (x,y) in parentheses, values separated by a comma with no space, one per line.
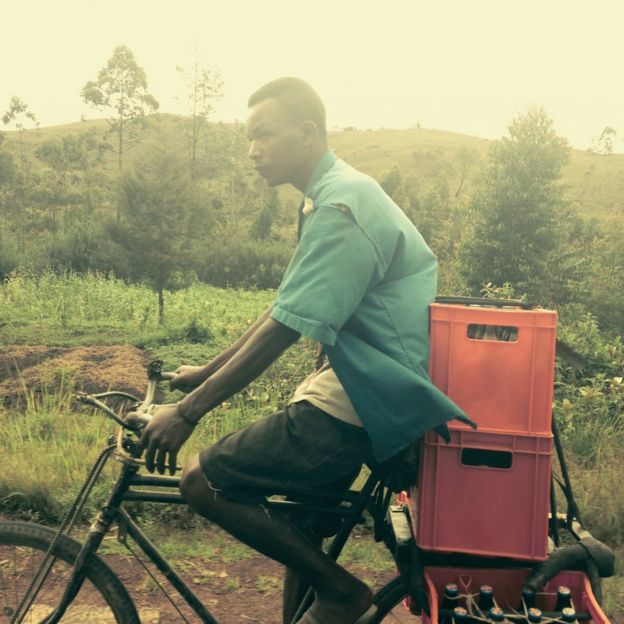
(163,437)
(187,378)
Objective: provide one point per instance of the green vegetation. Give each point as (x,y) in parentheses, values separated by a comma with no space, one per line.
(194,218)
(589,404)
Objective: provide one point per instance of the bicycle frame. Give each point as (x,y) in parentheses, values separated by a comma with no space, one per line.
(130,486)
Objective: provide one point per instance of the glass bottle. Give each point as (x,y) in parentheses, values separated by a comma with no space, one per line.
(528,599)
(486,598)
(564,598)
(449,602)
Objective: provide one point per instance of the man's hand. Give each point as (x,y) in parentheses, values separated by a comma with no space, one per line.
(164,435)
(187,378)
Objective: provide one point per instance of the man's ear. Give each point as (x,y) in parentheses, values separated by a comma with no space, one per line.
(309,133)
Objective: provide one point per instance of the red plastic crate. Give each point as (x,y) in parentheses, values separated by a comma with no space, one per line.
(507,585)
(503,386)
(485,494)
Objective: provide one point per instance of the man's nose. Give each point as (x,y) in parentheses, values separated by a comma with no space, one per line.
(254,152)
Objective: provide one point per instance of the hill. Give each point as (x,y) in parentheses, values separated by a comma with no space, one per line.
(594,182)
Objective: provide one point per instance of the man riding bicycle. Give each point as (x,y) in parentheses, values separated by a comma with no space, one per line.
(360,282)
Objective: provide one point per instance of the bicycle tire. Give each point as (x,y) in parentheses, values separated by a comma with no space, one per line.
(390,601)
(22,547)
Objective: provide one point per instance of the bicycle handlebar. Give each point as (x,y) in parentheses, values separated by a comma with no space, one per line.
(139,415)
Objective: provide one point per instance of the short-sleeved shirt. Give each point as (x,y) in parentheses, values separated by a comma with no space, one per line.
(360,281)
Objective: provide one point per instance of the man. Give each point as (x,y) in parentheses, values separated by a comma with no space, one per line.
(360,282)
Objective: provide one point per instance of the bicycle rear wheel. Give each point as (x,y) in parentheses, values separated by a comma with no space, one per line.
(102,599)
(390,601)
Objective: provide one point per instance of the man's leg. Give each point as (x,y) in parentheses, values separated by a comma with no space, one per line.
(340,597)
(295,589)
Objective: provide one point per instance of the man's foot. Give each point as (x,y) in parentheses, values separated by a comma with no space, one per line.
(345,609)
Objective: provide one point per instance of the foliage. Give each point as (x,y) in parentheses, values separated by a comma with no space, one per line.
(261,227)
(205,86)
(605,143)
(601,287)
(235,260)
(513,220)
(391,181)
(163,218)
(121,88)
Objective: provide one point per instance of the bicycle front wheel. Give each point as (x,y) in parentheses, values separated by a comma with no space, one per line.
(23,545)
(390,601)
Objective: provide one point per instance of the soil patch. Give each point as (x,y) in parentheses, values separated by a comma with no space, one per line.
(40,369)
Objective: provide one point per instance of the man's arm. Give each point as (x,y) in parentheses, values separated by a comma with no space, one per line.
(190,377)
(173,424)
(250,360)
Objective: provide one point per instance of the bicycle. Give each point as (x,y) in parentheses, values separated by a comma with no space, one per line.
(46,566)
(42,565)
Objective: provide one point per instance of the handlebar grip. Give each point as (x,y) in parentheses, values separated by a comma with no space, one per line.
(138,419)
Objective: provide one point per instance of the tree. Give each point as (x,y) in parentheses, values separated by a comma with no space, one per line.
(71,160)
(121,87)
(7,174)
(606,142)
(261,226)
(466,159)
(19,114)
(163,220)
(513,220)
(205,86)
(391,180)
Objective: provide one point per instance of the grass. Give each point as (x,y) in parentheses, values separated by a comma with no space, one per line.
(49,444)
(71,310)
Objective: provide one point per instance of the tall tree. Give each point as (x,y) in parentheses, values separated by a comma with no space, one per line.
(19,114)
(7,174)
(606,142)
(514,218)
(164,218)
(121,89)
(205,87)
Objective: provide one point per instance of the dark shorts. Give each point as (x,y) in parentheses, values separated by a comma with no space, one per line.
(294,451)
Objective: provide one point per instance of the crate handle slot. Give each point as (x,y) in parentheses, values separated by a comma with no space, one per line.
(486,458)
(500,333)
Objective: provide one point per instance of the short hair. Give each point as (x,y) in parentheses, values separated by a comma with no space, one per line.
(299,99)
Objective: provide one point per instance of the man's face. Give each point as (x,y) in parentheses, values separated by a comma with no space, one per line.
(278,146)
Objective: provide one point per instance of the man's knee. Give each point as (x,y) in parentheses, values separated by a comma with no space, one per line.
(194,486)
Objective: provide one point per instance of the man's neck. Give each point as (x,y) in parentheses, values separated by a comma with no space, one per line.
(308,169)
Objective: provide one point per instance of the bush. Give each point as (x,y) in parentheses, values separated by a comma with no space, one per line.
(9,256)
(244,263)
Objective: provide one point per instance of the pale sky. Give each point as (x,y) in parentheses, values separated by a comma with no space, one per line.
(466,66)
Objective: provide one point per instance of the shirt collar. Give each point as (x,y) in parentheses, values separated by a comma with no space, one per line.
(324,164)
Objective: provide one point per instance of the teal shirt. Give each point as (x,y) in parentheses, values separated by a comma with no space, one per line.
(360,282)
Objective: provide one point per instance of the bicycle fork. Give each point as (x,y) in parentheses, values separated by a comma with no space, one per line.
(97,531)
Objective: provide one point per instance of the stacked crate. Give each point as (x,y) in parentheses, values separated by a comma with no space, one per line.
(487,492)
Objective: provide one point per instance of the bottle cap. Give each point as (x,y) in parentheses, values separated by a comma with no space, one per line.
(451,590)
(460,614)
(486,589)
(563,591)
(568,614)
(535,615)
(496,614)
